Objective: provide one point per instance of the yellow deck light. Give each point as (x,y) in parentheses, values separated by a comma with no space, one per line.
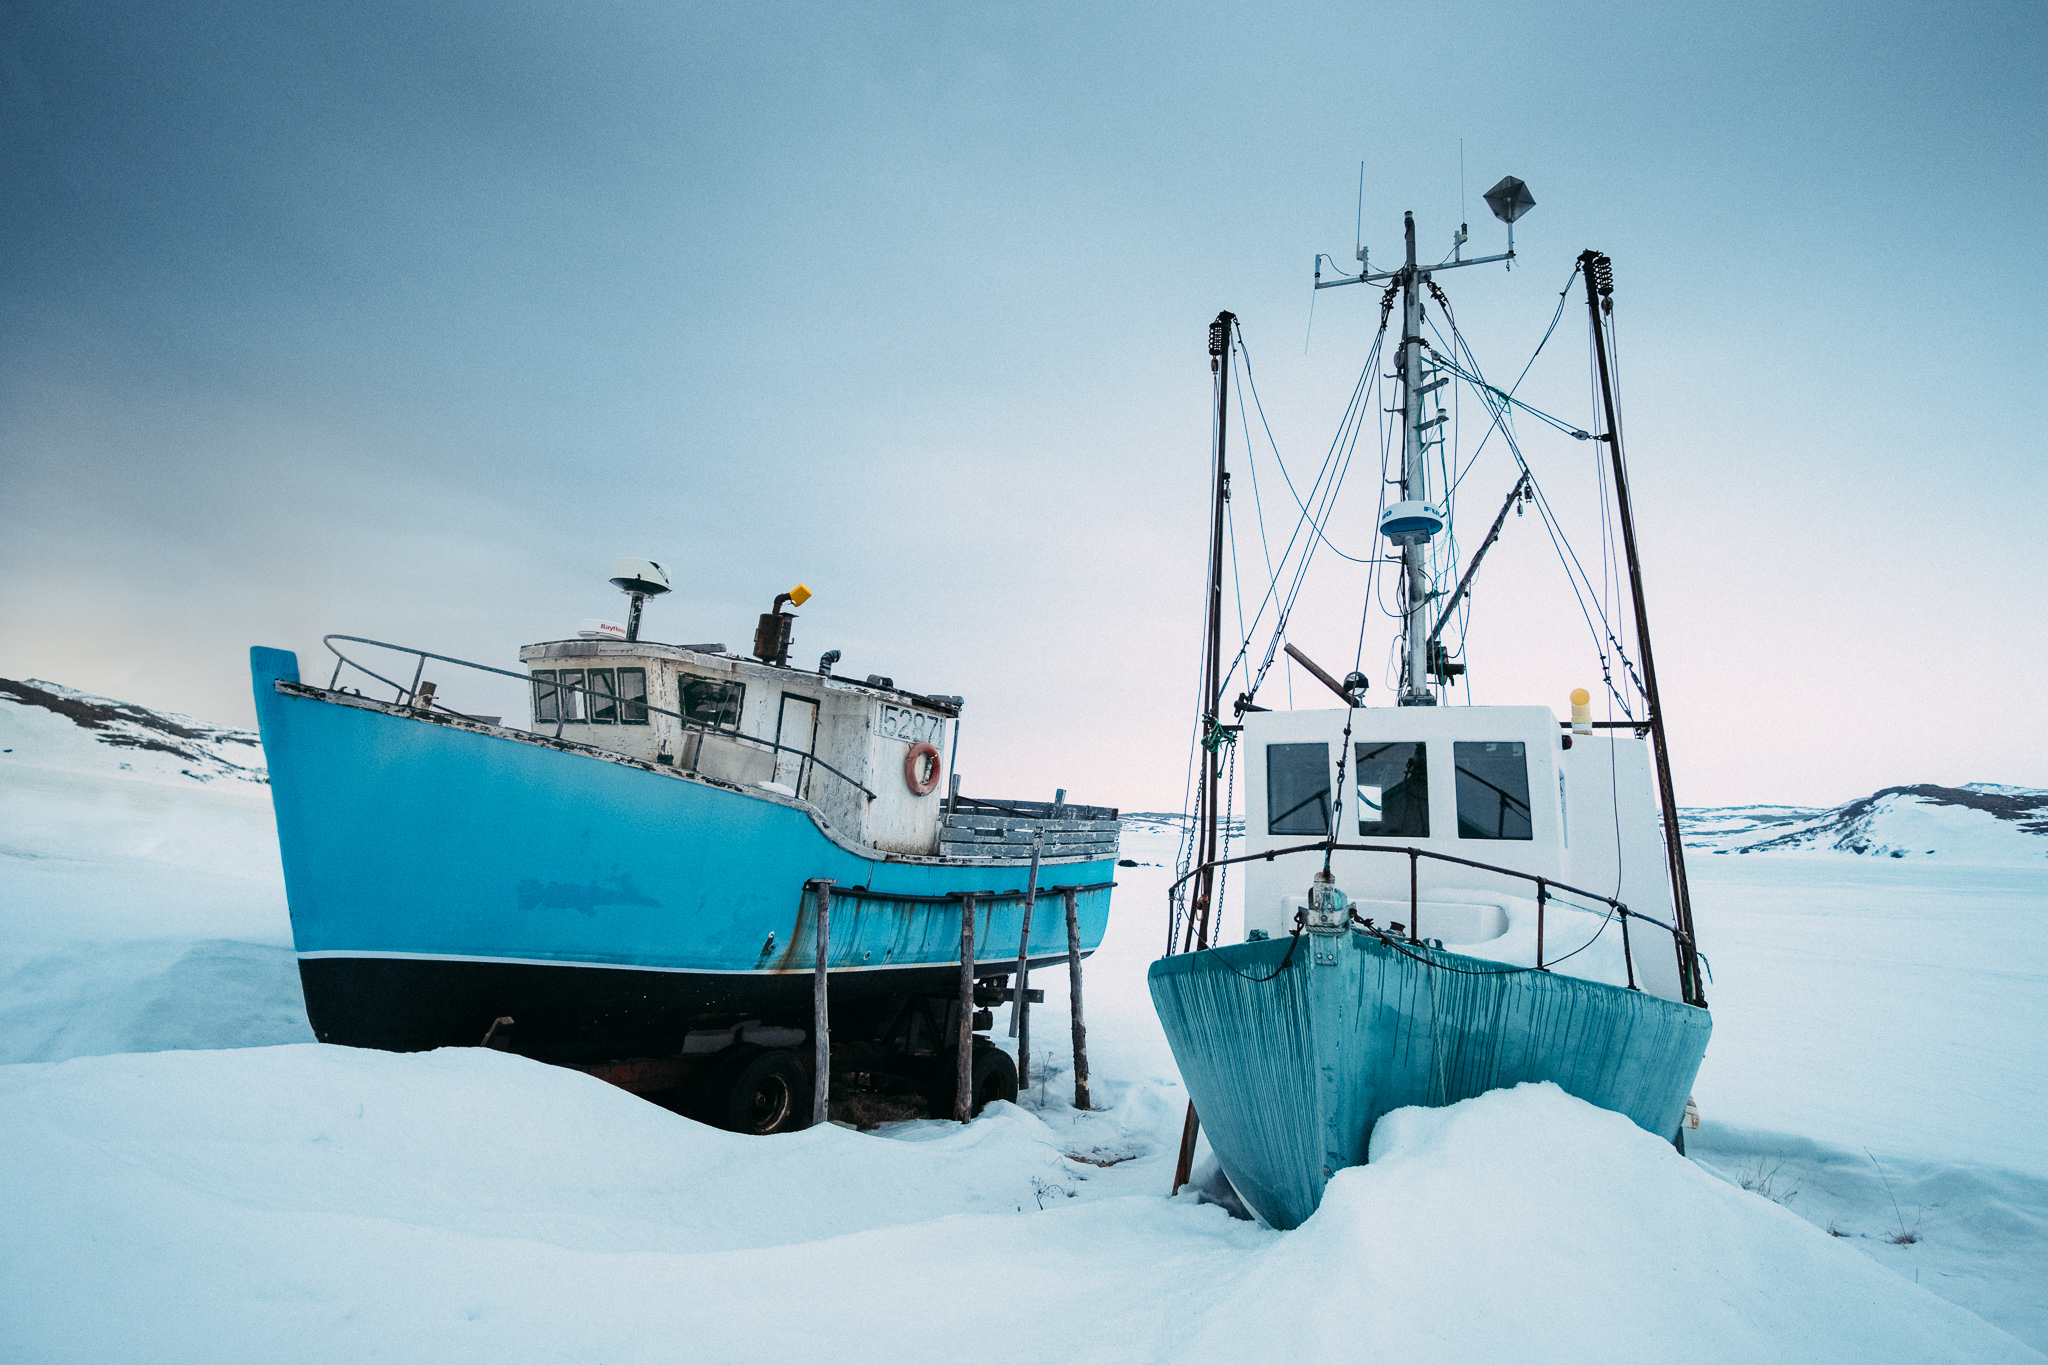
(1582,711)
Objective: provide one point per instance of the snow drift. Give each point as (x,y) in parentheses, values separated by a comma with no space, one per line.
(314,1203)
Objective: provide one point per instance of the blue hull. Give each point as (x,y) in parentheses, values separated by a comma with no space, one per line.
(439,875)
(1290,1074)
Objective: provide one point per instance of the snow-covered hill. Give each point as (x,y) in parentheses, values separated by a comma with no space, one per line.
(1977,823)
(51,726)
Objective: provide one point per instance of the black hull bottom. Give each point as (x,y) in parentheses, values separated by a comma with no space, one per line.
(580,1014)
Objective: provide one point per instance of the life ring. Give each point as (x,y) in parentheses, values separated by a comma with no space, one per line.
(911,763)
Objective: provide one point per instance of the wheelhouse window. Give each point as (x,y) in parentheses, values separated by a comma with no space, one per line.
(1393,790)
(632,696)
(1298,789)
(546,700)
(603,696)
(571,693)
(1493,791)
(713,701)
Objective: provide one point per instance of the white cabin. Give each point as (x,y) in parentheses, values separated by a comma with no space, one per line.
(864,731)
(1506,786)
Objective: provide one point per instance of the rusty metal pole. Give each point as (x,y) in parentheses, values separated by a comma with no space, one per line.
(1212,695)
(1628,957)
(1020,1008)
(1081,1099)
(1542,899)
(1599,272)
(963,1074)
(821,1016)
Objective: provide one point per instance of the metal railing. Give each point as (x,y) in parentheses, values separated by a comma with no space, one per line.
(1544,887)
(409,696)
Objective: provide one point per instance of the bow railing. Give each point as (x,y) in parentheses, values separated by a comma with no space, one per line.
(1545,886)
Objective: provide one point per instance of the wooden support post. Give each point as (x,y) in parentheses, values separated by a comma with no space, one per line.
(821,1017)
(1185,1167)
(963,1082)
(1081,1100)
(1020,1008)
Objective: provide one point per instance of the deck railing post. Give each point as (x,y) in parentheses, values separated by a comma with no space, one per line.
(821,1017)
(1628,957)
(416,680)
(1542,899)
(1414,900)
(963,1075)
(1020,1008)
(1081,1099)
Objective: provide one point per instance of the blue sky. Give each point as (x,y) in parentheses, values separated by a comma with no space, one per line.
(404,321)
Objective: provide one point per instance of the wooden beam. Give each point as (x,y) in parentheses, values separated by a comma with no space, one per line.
(821,1016)
(1081,1100)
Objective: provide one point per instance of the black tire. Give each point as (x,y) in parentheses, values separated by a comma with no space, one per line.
(994,1078)
(762,1090)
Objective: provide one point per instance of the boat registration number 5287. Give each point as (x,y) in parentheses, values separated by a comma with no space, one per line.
(900,722)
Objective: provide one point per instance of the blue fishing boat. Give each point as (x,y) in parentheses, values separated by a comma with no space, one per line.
(637,873)
(1438,900)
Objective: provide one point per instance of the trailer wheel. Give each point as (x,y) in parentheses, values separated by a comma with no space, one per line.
(763,1090)
(994,1077)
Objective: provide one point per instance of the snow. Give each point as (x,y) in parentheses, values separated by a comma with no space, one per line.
(187,1178)
(1979,823)
(141,903)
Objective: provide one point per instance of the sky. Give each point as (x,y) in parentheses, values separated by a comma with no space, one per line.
(404,321)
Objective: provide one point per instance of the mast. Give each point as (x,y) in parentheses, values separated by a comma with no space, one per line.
(1212,671)
(1599,271)
(1414,488)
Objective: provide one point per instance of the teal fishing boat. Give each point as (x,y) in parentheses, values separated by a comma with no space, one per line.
(1437,899)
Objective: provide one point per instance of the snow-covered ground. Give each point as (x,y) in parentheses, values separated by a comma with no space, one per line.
(1874,1071)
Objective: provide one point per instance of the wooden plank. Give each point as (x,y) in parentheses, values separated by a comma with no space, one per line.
(1081,1099)
(963,1077)
(1020,1000)
(821,1018)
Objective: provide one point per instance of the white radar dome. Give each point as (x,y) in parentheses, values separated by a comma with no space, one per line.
(1410,523)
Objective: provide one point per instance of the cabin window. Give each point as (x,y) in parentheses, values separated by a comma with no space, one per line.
(545,698)
(632,696)
(571,692)
(1493,791)
(713,701)
(603,697)
(1298,789)
(1393,790)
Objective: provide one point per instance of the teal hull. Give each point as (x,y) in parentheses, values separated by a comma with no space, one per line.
(1290,1075)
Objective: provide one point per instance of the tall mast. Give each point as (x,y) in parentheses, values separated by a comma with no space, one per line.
(1414,485)
(1212,672)
(1599,273)
(1509,200)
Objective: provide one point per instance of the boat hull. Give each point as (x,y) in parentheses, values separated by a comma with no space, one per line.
(441,875)
(1290,1074)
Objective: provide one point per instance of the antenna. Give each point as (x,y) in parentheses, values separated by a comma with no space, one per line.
(1358,225)
(639,579)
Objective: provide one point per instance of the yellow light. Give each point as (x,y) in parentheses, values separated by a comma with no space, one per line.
(1582,711)
(799,595)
